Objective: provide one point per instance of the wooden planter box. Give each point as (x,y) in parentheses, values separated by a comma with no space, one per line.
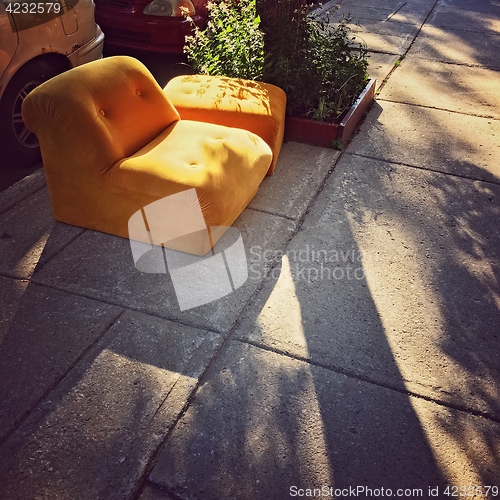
(323,133)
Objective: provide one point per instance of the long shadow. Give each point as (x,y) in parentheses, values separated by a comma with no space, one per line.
(84,386)
(448,245)
(337,379)
(309,395)
(469,288)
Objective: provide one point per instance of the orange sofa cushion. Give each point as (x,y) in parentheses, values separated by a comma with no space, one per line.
(233,102)
(103,111)
(225,165)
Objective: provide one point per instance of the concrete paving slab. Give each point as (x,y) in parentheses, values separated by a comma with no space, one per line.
(316,305)
(29,236)
(391,279)
(11,292)
(389,4)
(93,435)
(451,87)
(362,12)
(383,36)
(388,11)
(100,266)
(459,47)
(380,66)
(21,189)
(152,492)
(432,139)
(388,44)
(264,425)
(489,6)
(43,333)
(393,28)
(467,19)
(412,12)
(299,173)
(382,4)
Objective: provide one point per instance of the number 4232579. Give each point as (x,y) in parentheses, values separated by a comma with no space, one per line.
(471,491)
(32,8)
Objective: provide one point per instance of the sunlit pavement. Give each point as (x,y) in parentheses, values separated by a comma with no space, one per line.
(361,357)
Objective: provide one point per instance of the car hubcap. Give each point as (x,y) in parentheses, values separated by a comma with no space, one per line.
(23,135)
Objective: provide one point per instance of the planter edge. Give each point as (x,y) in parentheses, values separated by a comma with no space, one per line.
(352,118)
(322,134)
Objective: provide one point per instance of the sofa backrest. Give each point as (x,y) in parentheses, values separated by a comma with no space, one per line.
(96,114)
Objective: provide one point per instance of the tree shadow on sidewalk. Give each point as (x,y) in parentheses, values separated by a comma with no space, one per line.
(389,380)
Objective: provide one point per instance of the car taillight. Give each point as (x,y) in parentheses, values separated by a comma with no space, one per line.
(174,8)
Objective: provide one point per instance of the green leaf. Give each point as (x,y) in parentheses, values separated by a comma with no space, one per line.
(337,144)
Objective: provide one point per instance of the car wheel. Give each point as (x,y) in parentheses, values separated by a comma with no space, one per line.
(20,146)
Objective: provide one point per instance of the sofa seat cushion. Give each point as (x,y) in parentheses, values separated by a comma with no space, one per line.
(233,102)
(225,165)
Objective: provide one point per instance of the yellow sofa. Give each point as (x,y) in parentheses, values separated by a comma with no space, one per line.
(232,102)
(112,143)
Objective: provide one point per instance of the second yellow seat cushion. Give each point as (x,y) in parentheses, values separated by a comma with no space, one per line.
(225,165)
(233,102)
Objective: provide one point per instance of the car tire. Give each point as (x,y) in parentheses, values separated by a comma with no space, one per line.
(20,146)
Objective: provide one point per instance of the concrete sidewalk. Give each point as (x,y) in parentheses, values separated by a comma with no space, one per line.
(362,356)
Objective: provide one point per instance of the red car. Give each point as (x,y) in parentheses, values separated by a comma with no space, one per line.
(151,25)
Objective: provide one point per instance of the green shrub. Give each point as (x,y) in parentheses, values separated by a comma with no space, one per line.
(231,44)
(319,66)
(332,75)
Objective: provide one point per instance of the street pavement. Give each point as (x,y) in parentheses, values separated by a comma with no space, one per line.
(361,357)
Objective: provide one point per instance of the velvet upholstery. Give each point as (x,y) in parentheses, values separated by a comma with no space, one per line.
(232,102)
(112,143)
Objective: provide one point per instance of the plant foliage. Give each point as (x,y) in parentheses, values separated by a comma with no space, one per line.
(333,73)
(318,65)
(231,44)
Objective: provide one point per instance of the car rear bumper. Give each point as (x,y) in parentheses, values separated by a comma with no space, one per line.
(90,51)
(133,29)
